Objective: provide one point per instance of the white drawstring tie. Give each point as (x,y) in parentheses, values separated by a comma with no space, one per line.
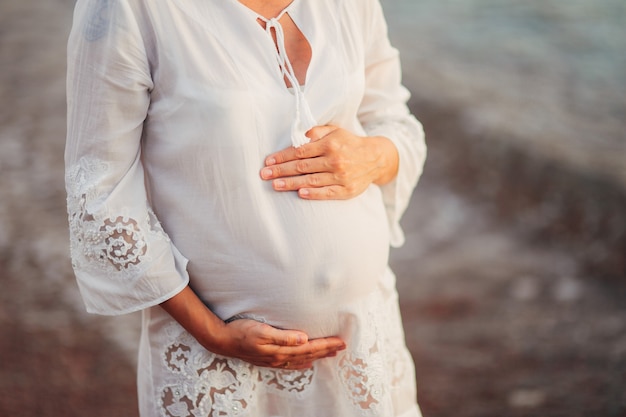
(303,120)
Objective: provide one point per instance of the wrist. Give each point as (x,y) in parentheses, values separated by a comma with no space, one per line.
(216,337)
(191,313)
(388,160)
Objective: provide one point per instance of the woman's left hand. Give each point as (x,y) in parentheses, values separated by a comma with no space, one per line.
(334,165)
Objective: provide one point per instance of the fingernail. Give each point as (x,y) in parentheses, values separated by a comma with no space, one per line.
(279,184)
(303,192)
(266,173)
(270,161)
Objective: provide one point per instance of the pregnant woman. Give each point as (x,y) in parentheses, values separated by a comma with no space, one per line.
(237,170)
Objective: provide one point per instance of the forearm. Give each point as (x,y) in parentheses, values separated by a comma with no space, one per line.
(191,313)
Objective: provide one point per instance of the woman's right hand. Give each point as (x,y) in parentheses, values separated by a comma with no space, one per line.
(252,341)
(264,345)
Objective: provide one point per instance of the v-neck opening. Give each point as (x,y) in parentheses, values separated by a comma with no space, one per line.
(262,21)
(273,40)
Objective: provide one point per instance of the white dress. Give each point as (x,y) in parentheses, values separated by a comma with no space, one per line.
(172,108)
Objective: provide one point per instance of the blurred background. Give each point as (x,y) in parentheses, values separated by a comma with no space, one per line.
(513,278)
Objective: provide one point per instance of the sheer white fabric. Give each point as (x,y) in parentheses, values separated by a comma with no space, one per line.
(172,108)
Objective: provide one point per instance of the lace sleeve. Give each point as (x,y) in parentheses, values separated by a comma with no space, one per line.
(383,112)
(122,258)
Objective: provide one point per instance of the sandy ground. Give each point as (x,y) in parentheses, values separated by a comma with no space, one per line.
(506,313)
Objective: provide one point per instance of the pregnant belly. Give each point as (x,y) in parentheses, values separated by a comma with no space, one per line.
(296,265)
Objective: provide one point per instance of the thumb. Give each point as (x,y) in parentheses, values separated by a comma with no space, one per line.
(286,337)
(318,132)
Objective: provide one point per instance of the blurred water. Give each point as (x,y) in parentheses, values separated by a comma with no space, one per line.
(551,72)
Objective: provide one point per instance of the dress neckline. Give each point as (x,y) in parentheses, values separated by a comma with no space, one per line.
(257,15)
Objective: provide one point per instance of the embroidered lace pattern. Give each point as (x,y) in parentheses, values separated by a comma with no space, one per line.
(380,362)
(114,244)
(292,382)
(362,382)
(362,370)
(201,383)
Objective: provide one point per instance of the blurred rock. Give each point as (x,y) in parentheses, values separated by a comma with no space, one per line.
(526,398)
